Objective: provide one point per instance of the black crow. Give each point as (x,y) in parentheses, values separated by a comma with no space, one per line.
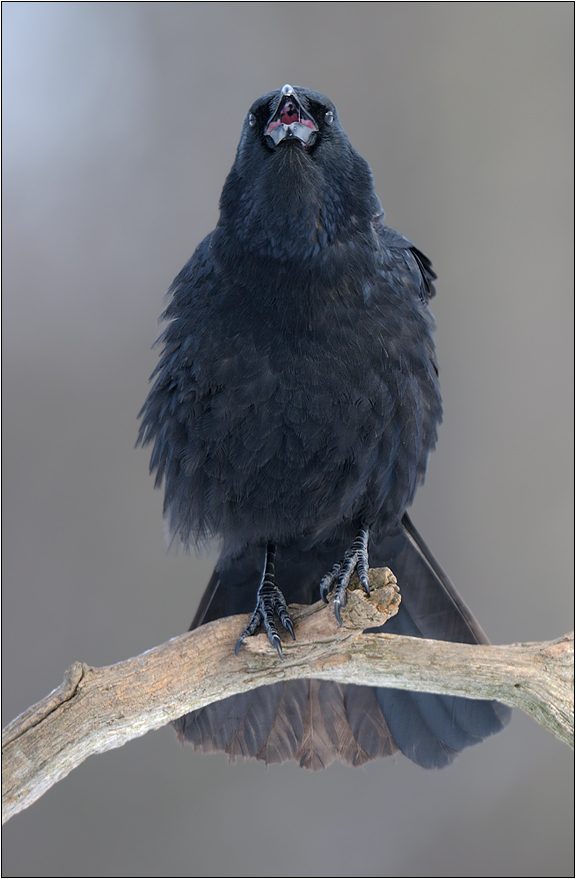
(293,410)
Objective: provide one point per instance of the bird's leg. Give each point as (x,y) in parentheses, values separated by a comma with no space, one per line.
(355,559)
(269,601)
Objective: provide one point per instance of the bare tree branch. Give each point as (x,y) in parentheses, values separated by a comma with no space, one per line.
(95,709)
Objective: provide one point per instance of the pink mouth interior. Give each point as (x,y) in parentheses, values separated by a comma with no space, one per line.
(289,114)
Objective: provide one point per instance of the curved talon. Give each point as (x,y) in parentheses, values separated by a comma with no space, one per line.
(287,623)
(269,601)
(362,570)
(327,581)
(275,641)
(355,559)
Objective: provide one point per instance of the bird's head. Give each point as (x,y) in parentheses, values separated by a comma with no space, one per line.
(297,185)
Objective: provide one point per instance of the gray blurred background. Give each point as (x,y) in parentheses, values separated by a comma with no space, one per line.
(120,124)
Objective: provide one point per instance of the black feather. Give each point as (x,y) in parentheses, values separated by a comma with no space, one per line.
(296,402)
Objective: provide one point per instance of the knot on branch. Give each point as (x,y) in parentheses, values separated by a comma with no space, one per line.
(316,623)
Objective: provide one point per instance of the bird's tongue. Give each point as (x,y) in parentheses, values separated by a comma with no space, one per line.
(286,115)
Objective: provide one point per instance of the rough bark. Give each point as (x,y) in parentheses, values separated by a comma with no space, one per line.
(95,709)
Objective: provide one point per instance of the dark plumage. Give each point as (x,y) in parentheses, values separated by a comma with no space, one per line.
(294,407)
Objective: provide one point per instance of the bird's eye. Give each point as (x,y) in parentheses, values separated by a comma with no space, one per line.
(329,117)
(251,120)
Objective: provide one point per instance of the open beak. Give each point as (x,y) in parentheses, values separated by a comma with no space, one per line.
(290,120)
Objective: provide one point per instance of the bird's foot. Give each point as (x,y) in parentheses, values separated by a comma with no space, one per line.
(355,559)
(270,601)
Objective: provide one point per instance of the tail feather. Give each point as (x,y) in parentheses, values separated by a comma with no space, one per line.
(434,605)
(315,722)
